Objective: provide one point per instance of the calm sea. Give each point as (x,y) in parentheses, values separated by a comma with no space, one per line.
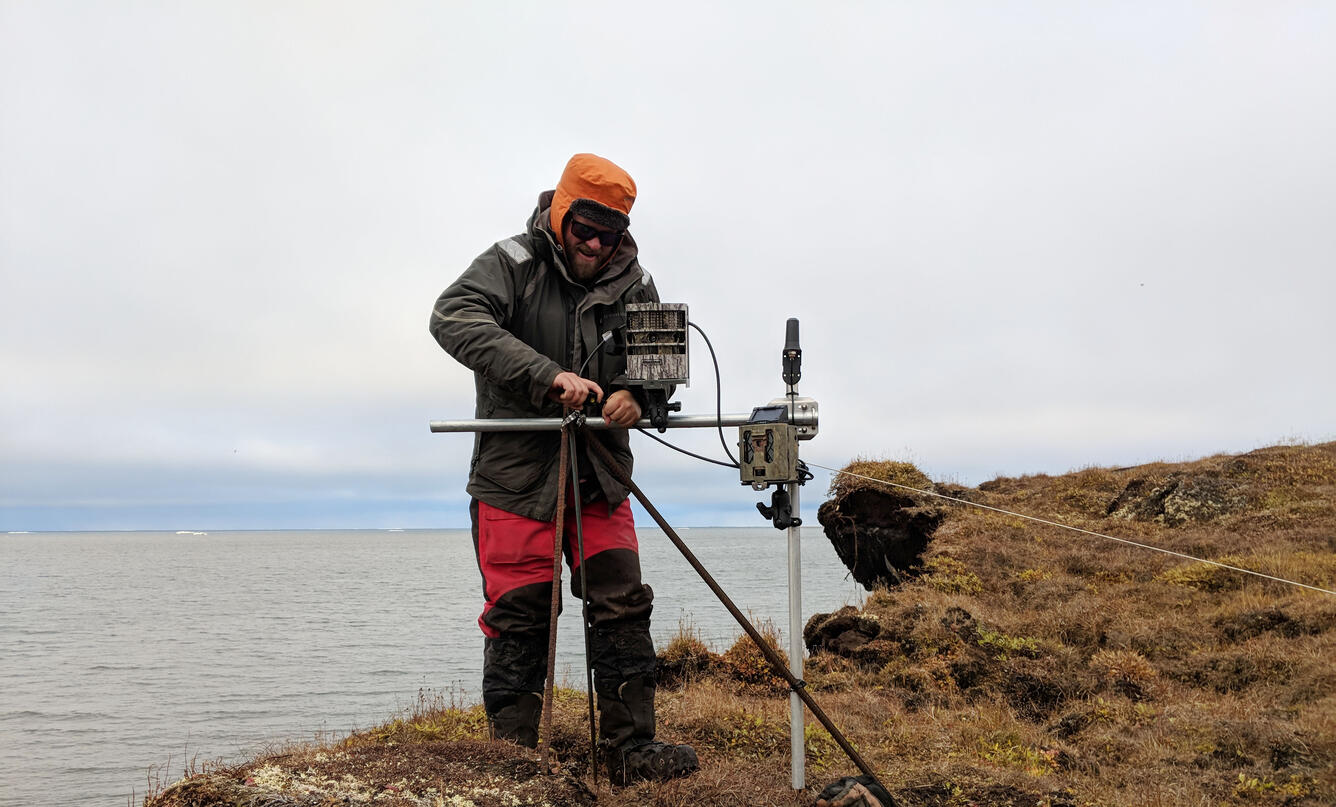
(124,655)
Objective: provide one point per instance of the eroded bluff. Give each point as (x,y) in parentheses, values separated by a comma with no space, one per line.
(878,531)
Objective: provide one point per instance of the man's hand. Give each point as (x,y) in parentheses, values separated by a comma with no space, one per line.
(572,390)
(621,409)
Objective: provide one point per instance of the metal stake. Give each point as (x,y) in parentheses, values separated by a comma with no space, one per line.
(796,732)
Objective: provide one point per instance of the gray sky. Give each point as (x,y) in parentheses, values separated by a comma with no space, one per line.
(1020,238)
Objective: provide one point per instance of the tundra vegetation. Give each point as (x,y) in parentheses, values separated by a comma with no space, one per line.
(995,661)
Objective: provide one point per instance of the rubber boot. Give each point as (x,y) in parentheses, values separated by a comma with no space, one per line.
(518,721)
(626,714)
(513,670)
(626,726)
(622,652)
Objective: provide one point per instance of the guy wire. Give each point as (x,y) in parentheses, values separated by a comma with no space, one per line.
(1077,529)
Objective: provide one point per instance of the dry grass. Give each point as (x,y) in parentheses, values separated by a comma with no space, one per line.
(859,473)
(1024,665)
(1117,675)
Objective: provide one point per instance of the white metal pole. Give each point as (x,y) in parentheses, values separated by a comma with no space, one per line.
(796,735)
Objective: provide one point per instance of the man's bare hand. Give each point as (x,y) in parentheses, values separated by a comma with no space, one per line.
(572,390)
(622,409)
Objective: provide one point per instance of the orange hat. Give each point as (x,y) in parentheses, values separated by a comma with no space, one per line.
(595,188)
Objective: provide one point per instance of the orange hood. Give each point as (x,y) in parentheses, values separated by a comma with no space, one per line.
(590,178)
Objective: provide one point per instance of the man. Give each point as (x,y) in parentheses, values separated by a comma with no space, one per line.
(531,317)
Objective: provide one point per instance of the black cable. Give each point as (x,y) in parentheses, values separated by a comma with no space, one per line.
(606,336)
(718,402)
(718,397)
(683,450)
(718,410)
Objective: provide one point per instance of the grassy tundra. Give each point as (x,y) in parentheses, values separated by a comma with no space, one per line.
(1013,663)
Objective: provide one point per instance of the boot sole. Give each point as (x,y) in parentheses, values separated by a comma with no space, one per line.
(681,761)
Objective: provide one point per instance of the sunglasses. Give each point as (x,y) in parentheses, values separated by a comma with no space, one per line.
(584,232)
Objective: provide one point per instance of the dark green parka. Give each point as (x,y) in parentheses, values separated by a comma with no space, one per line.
(516,318)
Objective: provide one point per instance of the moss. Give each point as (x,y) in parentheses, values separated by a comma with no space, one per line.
(1010,753)
(951,576)
(900,473)
(1005,646)
(1203,577)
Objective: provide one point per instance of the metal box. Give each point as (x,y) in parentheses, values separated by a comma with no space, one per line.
(656,344)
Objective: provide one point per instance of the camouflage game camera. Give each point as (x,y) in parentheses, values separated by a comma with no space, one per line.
(656,355)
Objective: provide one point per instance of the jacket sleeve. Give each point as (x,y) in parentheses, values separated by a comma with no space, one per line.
(470,322)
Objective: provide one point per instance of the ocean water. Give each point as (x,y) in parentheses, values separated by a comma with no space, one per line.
(125,655)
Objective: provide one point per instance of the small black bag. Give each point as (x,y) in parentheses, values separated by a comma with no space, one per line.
(839,789)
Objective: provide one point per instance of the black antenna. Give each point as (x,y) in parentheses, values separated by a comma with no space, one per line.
(793,354)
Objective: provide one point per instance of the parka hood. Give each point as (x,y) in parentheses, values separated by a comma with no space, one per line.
(540,227)
(597,188)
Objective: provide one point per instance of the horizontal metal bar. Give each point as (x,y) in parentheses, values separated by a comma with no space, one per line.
(598,424)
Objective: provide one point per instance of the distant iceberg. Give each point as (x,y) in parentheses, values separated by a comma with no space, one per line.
(190,532)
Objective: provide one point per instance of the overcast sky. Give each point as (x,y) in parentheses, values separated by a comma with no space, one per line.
(1020,237)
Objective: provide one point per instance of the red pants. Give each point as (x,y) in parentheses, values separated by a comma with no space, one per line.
(515,557)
